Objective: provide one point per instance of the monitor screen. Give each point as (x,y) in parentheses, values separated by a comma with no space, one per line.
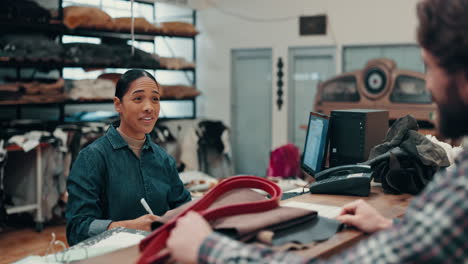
(315,144)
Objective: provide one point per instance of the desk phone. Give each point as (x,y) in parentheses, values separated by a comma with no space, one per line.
(347,180)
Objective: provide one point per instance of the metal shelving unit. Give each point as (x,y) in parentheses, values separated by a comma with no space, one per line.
(55,28)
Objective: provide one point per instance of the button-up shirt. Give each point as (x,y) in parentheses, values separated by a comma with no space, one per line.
(433,230)
(108,180)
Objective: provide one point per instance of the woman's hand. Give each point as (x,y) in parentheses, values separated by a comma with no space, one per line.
(363,216)
(187,236)
(141,223)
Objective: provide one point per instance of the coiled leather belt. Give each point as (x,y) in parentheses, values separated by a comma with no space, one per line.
(156,242)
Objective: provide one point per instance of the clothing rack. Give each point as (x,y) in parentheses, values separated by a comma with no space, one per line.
(37,207)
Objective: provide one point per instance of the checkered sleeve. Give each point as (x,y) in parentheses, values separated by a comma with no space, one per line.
(434,229)
(220,249)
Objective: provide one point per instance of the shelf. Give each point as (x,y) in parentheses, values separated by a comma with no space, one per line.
(142,1)
(148,36)
(56,29)
(11,62)
(59,29)
(15,147)
(21,209)
(71,102)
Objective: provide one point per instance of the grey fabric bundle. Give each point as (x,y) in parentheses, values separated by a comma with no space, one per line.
(407,160)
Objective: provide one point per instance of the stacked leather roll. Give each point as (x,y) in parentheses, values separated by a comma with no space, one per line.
(179,28)
(167,91)
(140,25)
(87,17)
(95,18)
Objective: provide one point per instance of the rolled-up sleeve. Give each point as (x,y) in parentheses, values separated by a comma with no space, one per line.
(85,185)
(98,226)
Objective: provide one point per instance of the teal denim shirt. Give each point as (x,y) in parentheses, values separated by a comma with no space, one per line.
(107,181)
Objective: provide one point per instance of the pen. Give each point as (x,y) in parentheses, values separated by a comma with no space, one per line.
(146,206)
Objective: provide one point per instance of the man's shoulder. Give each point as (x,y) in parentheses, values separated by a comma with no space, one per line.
(464,154)
(463,165)
(455,175)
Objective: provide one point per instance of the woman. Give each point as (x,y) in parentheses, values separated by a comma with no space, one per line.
(111,175)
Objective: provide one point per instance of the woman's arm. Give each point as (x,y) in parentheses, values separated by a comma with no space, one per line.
(141,223)
(85,186)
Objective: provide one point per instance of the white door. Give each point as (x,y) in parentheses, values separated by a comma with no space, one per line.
(307,68)
(251,110)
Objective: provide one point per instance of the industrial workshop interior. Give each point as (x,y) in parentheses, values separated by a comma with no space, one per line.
(221,131)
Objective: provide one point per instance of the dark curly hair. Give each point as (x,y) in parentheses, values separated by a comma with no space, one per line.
(443,31)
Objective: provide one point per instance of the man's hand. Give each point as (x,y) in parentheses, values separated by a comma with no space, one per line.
(141,223)
(364,217)
(187,237)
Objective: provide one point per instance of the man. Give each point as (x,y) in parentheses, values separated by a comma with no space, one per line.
(435,227)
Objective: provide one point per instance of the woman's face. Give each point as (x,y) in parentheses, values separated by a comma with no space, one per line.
(139,108)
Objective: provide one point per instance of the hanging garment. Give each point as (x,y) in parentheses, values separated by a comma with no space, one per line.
(212,158)
(206,147)
(163,137)
(3,160)
(284,162)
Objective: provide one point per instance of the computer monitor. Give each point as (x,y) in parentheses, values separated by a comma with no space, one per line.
(316,144)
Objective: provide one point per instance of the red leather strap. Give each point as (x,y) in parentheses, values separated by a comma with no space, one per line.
(154,243)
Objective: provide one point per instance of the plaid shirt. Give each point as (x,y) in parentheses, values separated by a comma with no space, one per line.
(434,230)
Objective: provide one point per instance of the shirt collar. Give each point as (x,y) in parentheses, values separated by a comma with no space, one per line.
(148,144)
(115,138)
(118,142)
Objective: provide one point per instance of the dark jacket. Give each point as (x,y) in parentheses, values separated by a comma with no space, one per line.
(407,160)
